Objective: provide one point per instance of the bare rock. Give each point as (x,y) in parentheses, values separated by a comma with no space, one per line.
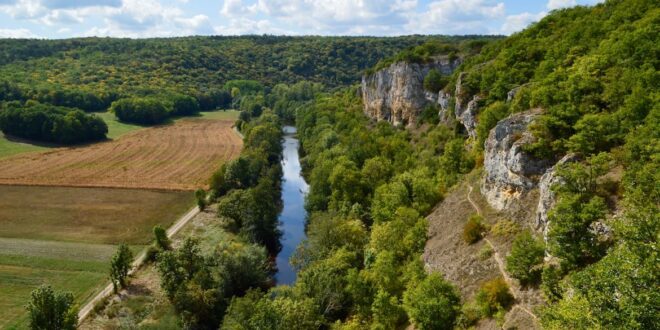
(466,112)
(510,172)
(396,94)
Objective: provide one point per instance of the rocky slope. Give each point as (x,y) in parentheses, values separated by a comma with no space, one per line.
(396,93)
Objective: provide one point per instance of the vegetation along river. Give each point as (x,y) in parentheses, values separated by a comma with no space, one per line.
(292,218)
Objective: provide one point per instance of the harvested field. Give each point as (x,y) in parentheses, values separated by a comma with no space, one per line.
(89,215)
(180,156)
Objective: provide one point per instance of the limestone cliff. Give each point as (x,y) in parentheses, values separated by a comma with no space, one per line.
(396,93)
(510,172)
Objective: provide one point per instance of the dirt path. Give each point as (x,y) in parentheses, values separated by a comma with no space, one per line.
(500,264)
(108,290)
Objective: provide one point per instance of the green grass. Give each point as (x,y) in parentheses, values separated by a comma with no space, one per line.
(115,127)
(13,147)
(220,115)
(20,277)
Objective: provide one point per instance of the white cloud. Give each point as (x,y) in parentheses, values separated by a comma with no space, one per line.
(515,23)
(556,4)
(17,33)
(456,17)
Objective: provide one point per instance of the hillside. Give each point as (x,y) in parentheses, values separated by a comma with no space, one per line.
(462,183)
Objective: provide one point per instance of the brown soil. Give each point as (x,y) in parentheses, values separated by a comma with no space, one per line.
(180,156)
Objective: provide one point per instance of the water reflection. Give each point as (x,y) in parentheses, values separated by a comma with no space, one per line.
(292,218)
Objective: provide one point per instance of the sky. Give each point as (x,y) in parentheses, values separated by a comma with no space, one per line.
(56,19)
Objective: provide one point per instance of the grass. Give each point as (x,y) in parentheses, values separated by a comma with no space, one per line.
(65,237)
(115,127)
(220,115)
(16,146)
(16,283)
(88,215)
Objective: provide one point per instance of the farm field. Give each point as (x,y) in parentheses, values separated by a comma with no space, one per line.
(66,236)
(180,156)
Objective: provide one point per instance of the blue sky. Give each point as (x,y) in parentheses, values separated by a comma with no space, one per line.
(164,18)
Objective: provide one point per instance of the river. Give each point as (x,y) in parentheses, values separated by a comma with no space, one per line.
(292,218)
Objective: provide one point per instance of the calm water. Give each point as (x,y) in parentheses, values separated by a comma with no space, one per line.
(292,218)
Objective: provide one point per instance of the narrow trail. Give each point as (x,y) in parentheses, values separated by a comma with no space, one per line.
(500,264)
(86,309)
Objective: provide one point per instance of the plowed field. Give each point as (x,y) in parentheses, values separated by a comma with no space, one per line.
(181,156)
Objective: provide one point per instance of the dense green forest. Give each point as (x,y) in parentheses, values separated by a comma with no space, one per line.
(592,70)
(148,81)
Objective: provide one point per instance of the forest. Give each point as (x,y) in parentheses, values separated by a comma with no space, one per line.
(593,72)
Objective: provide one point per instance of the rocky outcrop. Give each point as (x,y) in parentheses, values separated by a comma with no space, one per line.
(396,94)
(510,172)
(547,197)
(443,102)
(466,112)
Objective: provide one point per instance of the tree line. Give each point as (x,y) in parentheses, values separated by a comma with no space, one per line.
(45,122)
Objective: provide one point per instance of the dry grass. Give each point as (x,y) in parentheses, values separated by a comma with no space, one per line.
(90,215)
(180,156)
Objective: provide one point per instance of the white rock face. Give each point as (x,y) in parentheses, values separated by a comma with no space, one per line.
(510,172)
(547,198)
(466,114)
(443,101)
(396,94)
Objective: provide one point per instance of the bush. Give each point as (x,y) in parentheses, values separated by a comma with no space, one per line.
(473,229)
(432,304)
(183,105)
(505,228)
(551,277)
(160,238)
(526,258)
(200,195)
(48,309)
(493,296)
(435,81)
(146,110)
(120,265)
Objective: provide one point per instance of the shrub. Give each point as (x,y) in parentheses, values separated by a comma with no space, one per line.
(473,229)
(432,304)
(551,276)
(48,309)
(526,258)
(200,195)
(120,265)
(494,295)
(162,241)
(434,81)
(505,228)
(485,252)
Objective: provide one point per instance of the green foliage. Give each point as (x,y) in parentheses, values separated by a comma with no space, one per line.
(494,296)
(147,110)
(434,81)
(488,118)
(120,265)
(432,304)
(525,260)
(43,122)
(200,196)
(160,237)
(49,309)
(201,287)
(550,285)
(590,96)
(474,229)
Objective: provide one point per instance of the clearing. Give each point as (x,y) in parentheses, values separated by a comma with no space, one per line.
(180,156)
